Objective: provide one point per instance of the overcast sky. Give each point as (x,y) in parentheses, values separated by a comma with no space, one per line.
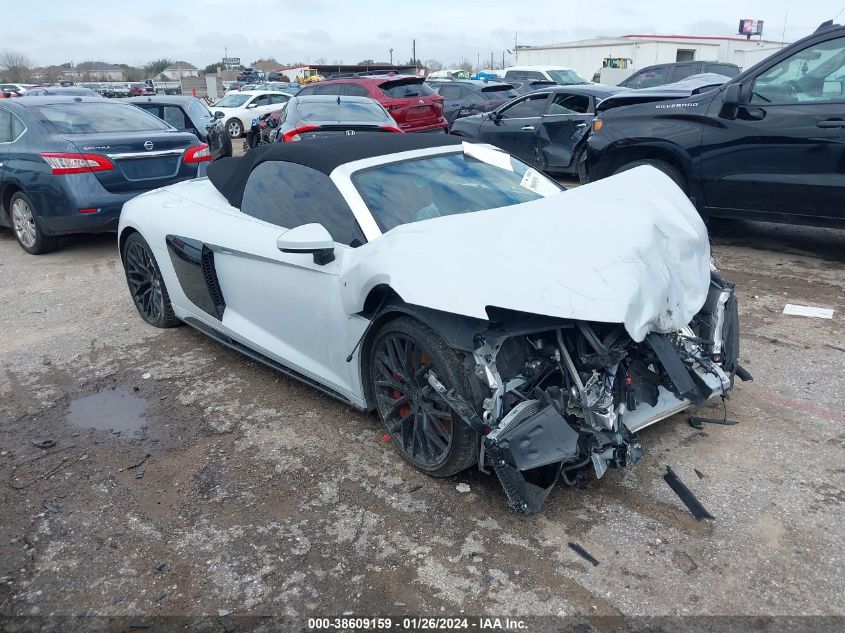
(121,31)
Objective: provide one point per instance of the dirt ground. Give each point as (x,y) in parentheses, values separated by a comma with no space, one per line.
(179,478)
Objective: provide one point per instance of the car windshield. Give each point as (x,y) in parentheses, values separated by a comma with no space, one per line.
(232,101)
(425,188)
(357,111)
(566,77)
(96,118)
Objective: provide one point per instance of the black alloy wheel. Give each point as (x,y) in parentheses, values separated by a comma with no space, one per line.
(421,426)
(146,284)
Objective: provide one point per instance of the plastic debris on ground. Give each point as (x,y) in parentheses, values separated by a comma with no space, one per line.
(808,311)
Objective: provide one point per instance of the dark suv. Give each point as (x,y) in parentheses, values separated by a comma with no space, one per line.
(408,99)
(767,145)
(465,97)
(661,74)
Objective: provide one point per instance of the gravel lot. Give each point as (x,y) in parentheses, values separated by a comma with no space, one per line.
(232,487)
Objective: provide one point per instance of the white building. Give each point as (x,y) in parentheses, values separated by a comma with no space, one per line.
(588,56)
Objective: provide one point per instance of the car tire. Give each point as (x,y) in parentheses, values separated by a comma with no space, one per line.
(670,170)
(425,431)
(235,128)
(27,227)
(146,285)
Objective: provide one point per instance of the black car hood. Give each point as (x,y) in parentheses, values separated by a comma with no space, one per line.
(696,84)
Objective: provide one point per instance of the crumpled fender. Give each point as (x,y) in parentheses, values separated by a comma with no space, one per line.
(628,249)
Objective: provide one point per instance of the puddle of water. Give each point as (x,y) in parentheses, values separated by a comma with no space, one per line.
(118,410)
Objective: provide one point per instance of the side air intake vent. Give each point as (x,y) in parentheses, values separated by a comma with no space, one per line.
(210,275)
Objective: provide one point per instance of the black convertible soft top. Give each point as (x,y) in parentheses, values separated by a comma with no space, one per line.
(229,175)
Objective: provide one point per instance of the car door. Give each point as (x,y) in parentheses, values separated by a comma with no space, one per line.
(781,151)
(5,140)
(175,116)
(285,306)
(452,104)
(514,126)
(261,105)
(564,123)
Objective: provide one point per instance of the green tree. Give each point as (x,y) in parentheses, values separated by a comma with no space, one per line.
(211,69)
(366,62)
(157,66)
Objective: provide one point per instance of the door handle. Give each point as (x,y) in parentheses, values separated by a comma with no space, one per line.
(581,125)
(831,123)
(527,128)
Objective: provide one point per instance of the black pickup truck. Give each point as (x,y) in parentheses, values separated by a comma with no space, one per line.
(766,145)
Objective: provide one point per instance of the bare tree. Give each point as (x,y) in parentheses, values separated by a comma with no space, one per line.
(15,66)
(433,65)
(320,61)
(132,74)
(52,74)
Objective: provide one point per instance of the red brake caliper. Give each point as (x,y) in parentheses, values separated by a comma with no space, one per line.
(406,409)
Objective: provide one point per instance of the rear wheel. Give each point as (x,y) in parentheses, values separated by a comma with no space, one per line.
(235,128)
(422,428)
(146,284)
(670,170)
(27,228)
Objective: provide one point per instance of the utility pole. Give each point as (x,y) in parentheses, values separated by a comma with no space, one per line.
(503,60)
(515,47)
(414,51)
(391,57)
(477,61)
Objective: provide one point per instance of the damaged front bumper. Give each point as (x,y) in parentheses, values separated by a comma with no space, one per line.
(563,401)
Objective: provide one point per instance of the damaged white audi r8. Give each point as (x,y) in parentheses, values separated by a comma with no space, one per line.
(489,317)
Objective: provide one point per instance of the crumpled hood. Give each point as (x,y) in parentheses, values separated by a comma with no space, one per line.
(628,249)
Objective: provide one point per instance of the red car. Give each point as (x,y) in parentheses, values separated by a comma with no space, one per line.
(141,90)
(410,101)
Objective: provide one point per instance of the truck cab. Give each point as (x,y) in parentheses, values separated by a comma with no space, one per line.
(766,145)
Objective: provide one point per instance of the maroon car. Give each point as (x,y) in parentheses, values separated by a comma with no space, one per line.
(141,90)
(409,100)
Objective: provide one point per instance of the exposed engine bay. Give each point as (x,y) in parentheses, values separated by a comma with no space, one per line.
(560,402)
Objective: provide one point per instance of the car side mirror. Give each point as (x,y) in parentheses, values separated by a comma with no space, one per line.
(308,239)
(219,115)
(730,102)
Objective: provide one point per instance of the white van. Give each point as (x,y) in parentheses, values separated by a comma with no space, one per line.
(558,74)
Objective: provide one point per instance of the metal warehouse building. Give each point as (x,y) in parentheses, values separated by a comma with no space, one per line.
(632,52)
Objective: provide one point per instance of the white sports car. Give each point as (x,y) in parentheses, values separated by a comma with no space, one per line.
(489,317)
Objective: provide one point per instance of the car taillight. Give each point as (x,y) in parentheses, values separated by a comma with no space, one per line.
(294,135)
(72,163)
(390,128)
(198,153)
